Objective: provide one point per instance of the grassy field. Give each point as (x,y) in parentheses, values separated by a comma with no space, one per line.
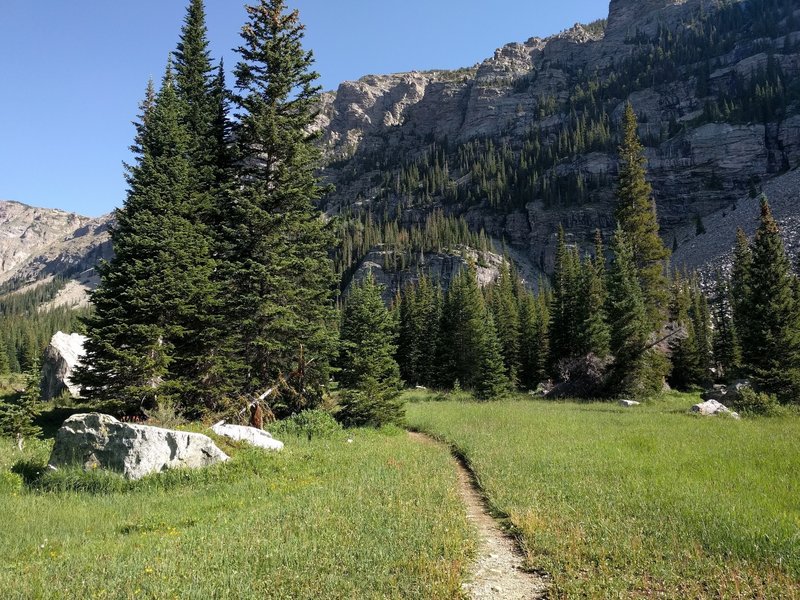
(644,502)
(375,518)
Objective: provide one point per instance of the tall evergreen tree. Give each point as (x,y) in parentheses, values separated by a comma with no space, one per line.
(727,352)
(594,333)
(505,308)
(740,287)
(771,350)
(636,215)
(278,277)
(565,313)
(148,304)
(491,381)
(634,369)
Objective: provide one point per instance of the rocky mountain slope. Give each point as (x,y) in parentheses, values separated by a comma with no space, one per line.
(39,242)
(714,85)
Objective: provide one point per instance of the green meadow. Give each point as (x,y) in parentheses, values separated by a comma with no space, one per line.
(642,502)
(378,517)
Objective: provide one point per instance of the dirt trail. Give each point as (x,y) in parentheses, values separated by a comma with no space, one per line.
(497,571)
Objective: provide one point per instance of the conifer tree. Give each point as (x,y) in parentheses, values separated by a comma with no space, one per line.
(565,306)
(505,309)
(366,358)
(685,349)
(771,350)
(197,89)
(491,381)
(17,416)
(276,270)
(636,215)
(727,353)
(740,287)
(633,370)
(144,333)
(594,332)
(530,324)
(462,331)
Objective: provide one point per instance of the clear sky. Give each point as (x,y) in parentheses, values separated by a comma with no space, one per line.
(72,72)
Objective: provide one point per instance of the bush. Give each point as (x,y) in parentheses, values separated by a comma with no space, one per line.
(751,402)
(313,423)
(370,406)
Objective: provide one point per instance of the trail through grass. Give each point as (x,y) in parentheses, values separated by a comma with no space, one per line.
(376,518)
(616,502)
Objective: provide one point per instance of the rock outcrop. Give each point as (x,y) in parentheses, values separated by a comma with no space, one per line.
(255,437)
(98,441)
(60,358)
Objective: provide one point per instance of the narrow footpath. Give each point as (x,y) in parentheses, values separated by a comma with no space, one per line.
(497,571)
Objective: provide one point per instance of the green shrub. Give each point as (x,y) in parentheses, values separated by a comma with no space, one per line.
(314,423)
(751,402)
(370,406)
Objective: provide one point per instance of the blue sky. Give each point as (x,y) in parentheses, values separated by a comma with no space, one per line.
(73,71)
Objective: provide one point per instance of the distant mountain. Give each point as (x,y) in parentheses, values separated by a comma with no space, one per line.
(38,242)
(526,140)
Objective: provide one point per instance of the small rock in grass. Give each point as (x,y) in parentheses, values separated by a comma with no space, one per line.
(252,435)
(713,407)
(629,403)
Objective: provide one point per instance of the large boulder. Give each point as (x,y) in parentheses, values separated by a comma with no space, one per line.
(96,441)
(61,357)
(251,435)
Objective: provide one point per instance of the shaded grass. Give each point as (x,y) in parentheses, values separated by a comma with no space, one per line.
(641,502)
(375,518)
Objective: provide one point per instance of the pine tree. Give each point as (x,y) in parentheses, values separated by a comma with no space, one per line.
(505,309)
(594,332)
(636,215)
(197,89)
(771,350)
(685,349)
(740,287)
(491,381)
(17,416)
(727,352)
(530,324)
(275,266)
(565,306)
(366,358)
(635,369)
(144,333)
(462,331)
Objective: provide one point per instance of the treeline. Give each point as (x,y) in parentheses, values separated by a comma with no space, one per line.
(26,329)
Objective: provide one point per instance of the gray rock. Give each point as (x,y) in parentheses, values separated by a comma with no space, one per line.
(712,407)
(629,403)
(96,440)
(256,437)
(60,358)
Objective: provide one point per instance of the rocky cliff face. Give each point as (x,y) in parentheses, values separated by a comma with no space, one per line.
(36,242)
(699,161)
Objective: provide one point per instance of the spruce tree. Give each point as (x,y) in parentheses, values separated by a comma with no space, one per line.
(685,349)
(727,352)
(462,331)
(565,313)
(594,332)
(144,333)
(636,215)
(366,359)
(17,416)
(275,266)
(491,381)
(634,371)
(771,350)
(740,288)
(529,319)
(505,308)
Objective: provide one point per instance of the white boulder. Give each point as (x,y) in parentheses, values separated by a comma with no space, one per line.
(251,435)
(629,403)
(61,357)
(713,407)
(95,440)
